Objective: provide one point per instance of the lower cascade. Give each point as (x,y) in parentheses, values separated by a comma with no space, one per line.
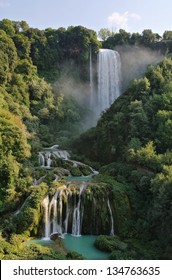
(111,216)
(77,215)
(76,203)
(73,209)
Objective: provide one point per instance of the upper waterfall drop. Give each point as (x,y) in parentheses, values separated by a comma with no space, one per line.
(109,78)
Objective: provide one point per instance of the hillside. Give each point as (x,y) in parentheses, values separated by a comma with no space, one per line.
(132,142)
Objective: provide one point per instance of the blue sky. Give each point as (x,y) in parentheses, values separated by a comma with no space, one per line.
(131,15)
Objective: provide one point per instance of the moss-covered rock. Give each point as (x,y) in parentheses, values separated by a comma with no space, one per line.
(85,169)
(110,243)
(75,171)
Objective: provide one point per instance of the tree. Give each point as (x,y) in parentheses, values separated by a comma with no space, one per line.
(8,47)
(148,37)
(23,45)
(135,38)
(164,129)
(162,196)
(4,68)
(156,78)
(13,151)
(7,26)
(20,26)
(120,38)
(105,33)
(14,136)
(167,35)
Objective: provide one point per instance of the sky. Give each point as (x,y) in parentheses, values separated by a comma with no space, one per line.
(131,15)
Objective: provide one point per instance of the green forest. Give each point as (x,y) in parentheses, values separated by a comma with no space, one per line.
(44,89)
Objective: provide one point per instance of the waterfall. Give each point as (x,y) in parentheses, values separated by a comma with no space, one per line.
(109,76)
(56,178)
(111,217)
(45,205)
(72,210)
(45,159)
(60,230)
(48,158)
(62,154)
(91,79)
(67,213)
(77,215)
(53,212)
(54,203)
(41,159)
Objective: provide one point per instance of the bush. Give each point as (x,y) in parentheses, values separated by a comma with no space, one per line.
(109,243)
(74,256)
(119,255)
(75,171)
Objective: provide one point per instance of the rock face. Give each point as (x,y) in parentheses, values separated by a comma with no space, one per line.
(54,236)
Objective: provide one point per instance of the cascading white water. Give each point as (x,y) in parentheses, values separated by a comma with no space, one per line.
(41,159)
(62,154)
(109,78)
(56,178)
(45,159)
(45,205)
(111,217)
(77,215)
(54,203)
(60,230)
(51,209)
(91,80)
(67,214)
(48,158)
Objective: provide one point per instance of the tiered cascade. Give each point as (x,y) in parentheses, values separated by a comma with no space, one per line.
(71,211)
(78,206)
(64,211)
(45,157)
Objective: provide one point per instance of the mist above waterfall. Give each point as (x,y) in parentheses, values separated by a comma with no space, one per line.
(71,85)
(68,86)
(116,68)
(134,61)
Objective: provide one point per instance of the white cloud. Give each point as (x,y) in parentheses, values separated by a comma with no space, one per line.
(121,20)
(135,16)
